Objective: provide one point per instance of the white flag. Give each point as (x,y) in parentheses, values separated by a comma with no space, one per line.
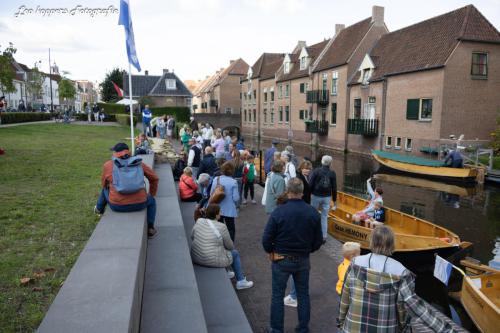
(442,270)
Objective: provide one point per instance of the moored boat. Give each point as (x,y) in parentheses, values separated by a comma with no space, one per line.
(424,167)
(480,296)
(412,233)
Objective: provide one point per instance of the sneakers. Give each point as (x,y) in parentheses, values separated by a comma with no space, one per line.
(152,232)
(289,301)
(230,274)
(244,202)
(96,211)
(254,202)
(244,284)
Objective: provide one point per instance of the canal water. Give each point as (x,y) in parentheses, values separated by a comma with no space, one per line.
(473,213)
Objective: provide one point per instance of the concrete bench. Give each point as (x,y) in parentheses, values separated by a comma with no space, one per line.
(103,291)
(221,306)
(171,300)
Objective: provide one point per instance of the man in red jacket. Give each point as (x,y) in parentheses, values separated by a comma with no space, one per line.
(120,202)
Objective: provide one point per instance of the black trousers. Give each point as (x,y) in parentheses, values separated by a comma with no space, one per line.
(248,186)
(229,222)
(195,198)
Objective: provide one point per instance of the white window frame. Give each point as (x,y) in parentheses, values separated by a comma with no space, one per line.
(280,91)
(335,83)
(169,84)
(306,87)
(387,143)
(396,146)
(228,110)
(287,113)
(420,109)
(406,144)
(302,63)
(287,90)
(286,68)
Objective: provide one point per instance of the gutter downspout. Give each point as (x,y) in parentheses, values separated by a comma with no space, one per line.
(382,118)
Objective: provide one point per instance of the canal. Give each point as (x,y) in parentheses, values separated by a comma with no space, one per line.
(473,213)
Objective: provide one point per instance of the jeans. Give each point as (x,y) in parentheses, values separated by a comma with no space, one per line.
(239,180)
(195,172)
(293,291)
(229,222)
(162,131)
(298,267)
(324,204)
(236,265)
(150,205)
(146,128)
(249,186)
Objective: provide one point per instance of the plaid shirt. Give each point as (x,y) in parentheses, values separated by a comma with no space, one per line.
(376,302)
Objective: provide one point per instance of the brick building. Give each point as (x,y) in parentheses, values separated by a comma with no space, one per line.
(220,93)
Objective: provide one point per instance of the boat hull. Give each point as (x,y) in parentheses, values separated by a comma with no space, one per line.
(482,310)
(442,173)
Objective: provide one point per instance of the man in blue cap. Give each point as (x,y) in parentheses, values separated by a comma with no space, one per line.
(269,156)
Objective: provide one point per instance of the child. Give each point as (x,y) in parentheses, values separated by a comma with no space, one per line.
(249,174)
(349,251)
(142,145)
(378,216)
(367,213)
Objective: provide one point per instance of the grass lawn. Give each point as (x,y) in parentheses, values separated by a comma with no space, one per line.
(49,182)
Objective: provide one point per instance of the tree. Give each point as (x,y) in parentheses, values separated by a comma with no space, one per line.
(35,84)
(67,89)
(7,73)
(145,100)
(108,92)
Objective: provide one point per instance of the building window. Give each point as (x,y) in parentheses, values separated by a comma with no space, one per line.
(287,113)
(388,141)
(335,77)
(306,86)
(303,63)
(245,96)
(287,67)
(333,120)
(265,97)
(240,95)
(280,91)
(170,84)
(255,94)
(301,114)
(365,76)
(245,115)
(287,90)
(426,109)
(408,144)
(254,115)
(357,108)
(265,116)
(272,96)
(302,88)
(272,115)
(324,84)
(280,114)
(479,64)
(229,110)
(369,112)
(397,145)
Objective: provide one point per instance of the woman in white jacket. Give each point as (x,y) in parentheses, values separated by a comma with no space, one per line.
(212,246)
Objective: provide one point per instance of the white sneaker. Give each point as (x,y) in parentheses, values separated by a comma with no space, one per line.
(243,202)
(289,301)
(244,284)
(230,274)
(254,202)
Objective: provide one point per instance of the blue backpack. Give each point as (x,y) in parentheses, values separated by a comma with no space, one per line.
(128,175)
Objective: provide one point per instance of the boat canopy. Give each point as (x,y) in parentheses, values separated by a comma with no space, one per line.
(408,159)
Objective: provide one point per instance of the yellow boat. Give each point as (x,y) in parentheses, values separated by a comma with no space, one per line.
(480,296)
(426,183)
(424,167)
(412,234)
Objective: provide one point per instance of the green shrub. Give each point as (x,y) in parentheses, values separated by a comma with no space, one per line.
(124,119)
(112,108)
(180,113)
(84,117)
(23,117)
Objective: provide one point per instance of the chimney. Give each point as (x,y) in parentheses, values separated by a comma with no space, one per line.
(165,71)
(146,72)
(378,15)
(231,62)
(339,28)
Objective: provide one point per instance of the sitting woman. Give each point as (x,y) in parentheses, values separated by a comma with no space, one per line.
(378,216)
(142,144)
(367,213)
(377,284)
(212,246)
(188,190)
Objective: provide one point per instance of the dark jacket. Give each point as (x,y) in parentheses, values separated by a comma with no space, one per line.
(208,165)
(293,228)
(315,178)
(307,188)
(193,125)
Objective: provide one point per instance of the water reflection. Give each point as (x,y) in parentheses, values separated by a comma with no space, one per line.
(471,212)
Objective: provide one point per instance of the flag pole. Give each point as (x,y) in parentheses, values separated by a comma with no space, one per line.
(130,106)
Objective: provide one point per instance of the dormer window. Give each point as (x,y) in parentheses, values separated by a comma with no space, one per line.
(287,68)
(365,75)
(250,73)
(302,63)
(170,84)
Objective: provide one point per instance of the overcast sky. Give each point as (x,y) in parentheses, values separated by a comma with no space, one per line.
(194,37)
